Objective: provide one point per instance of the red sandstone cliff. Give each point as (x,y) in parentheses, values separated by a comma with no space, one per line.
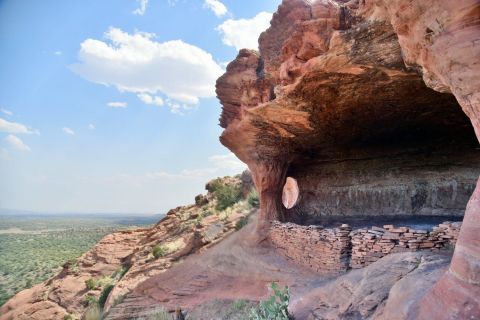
(374,106)
(124,259)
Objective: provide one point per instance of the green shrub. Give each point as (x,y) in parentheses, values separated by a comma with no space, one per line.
(91,284)
(90,300)
(227,196)
(239,304)
(207,213)
(68,317)
(104,295)
(213,185)
(120,272)
(253,199)
(159,251)
(105,281)
(241,223)
(275,307)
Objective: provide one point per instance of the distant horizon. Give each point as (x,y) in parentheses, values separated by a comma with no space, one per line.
(7,212)
(110,106)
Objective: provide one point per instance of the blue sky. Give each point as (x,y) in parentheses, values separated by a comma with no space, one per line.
(109,106)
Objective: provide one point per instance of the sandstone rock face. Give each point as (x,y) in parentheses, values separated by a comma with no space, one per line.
(374,107)
(389,289)
(182,232)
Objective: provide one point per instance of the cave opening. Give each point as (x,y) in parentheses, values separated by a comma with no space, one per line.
(413,160)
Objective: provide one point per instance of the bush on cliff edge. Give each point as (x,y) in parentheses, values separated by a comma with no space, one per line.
(227,195)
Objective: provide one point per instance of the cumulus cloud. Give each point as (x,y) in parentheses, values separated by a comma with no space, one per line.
(218,8)
(137,63)
(14,127)
(140,11)
(244,33)
(148,99)
(227,161)
(17,143)
(68,131)
(7,112)
(117,104)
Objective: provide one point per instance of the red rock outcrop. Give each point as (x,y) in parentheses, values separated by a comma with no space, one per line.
(390,88)
(124,259)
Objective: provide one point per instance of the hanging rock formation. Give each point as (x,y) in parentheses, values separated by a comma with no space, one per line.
(373,106)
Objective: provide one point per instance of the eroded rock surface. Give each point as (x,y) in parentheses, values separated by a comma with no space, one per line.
(374,106)
(124,259)
(387,289)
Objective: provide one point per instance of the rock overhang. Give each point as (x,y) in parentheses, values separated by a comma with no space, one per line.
(336,81)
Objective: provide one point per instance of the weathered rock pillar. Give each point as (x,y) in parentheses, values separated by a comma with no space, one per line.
(457,294)
(269,178)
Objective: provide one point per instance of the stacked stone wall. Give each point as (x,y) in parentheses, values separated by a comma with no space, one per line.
(333,250)
(323,250)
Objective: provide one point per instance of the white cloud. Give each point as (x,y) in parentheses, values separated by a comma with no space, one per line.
(143,7)
(225,164)
(148,99)
(136,63)
(218,8)
(91,126)
(68,131)
(17,143)
(14,127)
(227,161)
(7,112)
(58,53)
(117,104)
(244,33)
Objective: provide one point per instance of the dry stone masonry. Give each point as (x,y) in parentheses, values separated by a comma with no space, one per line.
(332,250)
(323,250)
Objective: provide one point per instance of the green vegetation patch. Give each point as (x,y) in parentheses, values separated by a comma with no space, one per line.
(253,199)
(159,251)
(227,195)
(241,223)
(275,307)
(43,245)
(104,295)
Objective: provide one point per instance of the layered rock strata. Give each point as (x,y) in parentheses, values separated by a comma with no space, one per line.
(350,81)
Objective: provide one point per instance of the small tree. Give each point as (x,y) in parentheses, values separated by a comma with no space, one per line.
(227,196)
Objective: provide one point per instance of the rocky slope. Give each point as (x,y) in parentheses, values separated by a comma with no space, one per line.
(361,107)
(209,285)
(373,106)
(122,260)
